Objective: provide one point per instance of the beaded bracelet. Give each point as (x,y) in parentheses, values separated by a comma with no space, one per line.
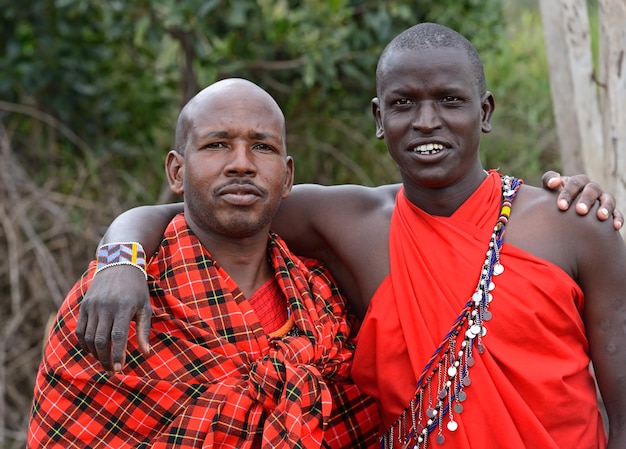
(121,253)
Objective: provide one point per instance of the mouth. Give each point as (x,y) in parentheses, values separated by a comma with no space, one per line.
(429,148)
(239,189)
(240,194)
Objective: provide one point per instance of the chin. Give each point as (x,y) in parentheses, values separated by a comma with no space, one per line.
(431,179)
(243,229)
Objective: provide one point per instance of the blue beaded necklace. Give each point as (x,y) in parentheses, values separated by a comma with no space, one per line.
(448,367)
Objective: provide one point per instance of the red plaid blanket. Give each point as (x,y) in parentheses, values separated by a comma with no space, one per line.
(214,378)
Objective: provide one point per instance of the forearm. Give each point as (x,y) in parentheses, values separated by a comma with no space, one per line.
(143,224)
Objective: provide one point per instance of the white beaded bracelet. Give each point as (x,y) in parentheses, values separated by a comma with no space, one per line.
(121,253)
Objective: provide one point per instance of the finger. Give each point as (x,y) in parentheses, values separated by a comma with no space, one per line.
(119,341)
(607,206)
(590,193)
(102,342)
(89,335)
(618,219)
(119,338)
(81,326)
(573,185)
(551,180)
(143,318)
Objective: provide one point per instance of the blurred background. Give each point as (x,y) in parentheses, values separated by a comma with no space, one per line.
(90,90)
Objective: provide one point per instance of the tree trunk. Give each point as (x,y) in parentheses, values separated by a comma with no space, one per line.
(613,95)
(589,105)
(574,97)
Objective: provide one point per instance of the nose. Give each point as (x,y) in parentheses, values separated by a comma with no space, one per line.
(240,161)
(427,117)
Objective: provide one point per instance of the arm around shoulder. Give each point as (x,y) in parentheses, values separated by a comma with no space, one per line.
(314,217)
(143,224)
(119,293)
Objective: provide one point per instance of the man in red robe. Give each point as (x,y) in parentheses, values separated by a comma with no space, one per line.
(250,347)
(485,303)
(482,334)
(530,383)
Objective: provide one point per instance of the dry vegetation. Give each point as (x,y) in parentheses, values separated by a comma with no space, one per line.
(48,233)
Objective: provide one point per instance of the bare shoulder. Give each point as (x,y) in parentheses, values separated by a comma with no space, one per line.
(348,197)
(317,221)
(338,212)
(565,238)
(540,205)
(346,227)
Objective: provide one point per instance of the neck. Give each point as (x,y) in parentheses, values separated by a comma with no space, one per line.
(249,272)
(445,200)
(244,259)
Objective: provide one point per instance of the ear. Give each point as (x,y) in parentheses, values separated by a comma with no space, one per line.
(488,104)
(175,171)
(288,178)
(379,123)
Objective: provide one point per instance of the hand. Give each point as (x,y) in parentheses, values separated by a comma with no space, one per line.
(587,192)
(116,296)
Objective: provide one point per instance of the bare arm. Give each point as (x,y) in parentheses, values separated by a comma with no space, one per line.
(143,224)
(308,218)
(118,295)
(601,275)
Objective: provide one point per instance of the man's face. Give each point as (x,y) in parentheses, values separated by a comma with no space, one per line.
(236,170)
(431,115)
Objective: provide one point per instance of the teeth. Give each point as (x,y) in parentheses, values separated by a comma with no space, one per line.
(429,148)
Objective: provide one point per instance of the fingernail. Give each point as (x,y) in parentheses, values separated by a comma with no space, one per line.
(563,204)
(117,367)
(582,207)
(604,211)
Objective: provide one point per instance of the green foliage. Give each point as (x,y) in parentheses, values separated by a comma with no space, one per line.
(523,141)
(116,73)
(72,60)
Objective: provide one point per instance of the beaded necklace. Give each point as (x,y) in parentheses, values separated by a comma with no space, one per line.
(447,367)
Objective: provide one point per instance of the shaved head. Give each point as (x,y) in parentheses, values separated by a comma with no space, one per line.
(237,89)
(428,36)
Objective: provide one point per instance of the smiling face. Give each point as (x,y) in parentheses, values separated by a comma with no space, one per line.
(431,114)
(233,170)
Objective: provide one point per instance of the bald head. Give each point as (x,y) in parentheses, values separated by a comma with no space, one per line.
(428,36)
(235,93)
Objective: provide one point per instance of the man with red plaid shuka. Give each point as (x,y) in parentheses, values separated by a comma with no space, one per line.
(250,347)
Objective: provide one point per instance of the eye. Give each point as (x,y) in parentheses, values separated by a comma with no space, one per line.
(449,99)
(263,148)
(402,102)
(215,146)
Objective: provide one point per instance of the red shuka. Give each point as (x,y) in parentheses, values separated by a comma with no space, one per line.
(213,379)
(532,387)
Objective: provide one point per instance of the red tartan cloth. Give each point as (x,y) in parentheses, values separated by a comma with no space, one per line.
(269,305)
(213,378)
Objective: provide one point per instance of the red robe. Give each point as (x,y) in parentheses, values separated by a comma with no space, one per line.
(531,388)
(213,378)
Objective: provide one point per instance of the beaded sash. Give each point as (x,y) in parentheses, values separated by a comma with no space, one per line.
(447,371)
